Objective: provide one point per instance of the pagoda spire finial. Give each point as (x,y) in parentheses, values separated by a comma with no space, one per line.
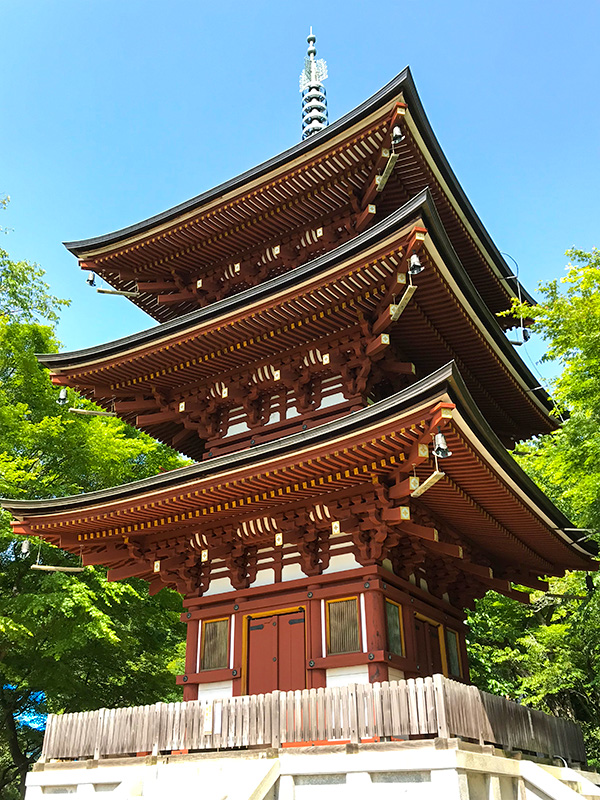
(314,98)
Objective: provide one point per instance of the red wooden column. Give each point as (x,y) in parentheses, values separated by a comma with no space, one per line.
(315,677)
(190,691)
(376,633)
(240,658)
(463,653)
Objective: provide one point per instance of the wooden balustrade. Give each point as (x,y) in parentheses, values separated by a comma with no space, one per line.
(422,707)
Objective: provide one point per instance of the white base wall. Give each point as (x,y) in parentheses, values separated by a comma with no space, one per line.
(342,676)
(215,691)
(395,674)
(420,770)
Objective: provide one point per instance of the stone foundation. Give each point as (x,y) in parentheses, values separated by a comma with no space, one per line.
(434,769)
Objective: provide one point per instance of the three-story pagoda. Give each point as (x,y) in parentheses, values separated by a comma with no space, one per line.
(331,356)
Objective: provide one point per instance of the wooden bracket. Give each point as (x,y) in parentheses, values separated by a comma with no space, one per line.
(404,488)
(378,345)
(393,312)
(364,217)
(420,531)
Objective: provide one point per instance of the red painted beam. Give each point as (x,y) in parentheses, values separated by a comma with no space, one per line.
(125,406)
(178,297)
(133,570)
(420,531)
(365,217)
(156,419)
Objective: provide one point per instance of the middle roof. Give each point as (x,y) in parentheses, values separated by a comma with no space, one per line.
(314,309)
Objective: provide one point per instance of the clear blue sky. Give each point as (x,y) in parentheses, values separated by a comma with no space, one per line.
(114,110)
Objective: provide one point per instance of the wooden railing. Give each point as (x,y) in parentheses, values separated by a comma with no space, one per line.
(399,709)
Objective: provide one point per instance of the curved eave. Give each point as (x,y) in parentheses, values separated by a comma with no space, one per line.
(461,396)
(401,86)
(375,102)
(438,233)
(446,379)
(243,299)
(502,269)
(421,205)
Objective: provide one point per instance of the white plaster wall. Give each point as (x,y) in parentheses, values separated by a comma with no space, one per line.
(341,563)
(215,690)
(292,572)
(332,399)
(264,577)
(342,676)
(218,586)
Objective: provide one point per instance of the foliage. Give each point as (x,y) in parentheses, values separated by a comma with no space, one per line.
(548,654)
(4,201)
(567,463)
(47,451)
(24,295)
(76,642)
(67,642)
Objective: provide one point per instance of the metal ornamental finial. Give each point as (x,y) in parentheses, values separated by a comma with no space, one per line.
(314,98)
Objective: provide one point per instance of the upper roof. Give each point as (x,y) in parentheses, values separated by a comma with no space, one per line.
(327,175)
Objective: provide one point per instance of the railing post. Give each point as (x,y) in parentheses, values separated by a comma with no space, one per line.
(275,738)
(440,706)
(353,713)
(47,738)
(99,733)
(156,732)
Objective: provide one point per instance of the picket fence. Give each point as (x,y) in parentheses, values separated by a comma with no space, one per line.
(414,708)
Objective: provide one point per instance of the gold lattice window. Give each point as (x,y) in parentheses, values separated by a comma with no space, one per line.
(395,633)
(343,632)
(215,644)
(453,654)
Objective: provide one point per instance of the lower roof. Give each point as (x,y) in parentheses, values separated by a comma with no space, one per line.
(485,494)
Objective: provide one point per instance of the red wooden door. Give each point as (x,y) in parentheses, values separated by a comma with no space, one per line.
(429,654)
(291,657)
(262,655)
(276,653)
(435,653)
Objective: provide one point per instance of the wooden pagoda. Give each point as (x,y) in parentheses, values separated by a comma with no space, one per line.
(330,355)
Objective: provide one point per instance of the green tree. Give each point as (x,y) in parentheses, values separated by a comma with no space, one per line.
(567,463)
(548,654)
(66,642)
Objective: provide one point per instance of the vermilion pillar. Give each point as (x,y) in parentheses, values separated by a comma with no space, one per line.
(190,691)
(315,677)
(376,634)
